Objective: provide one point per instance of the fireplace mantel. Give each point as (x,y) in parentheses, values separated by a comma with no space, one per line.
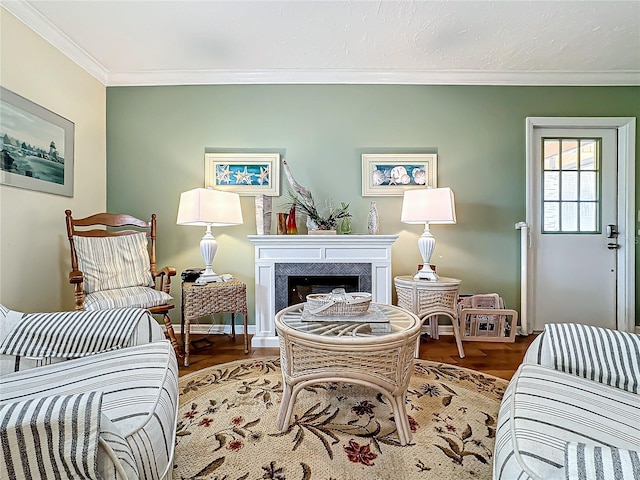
(274,249)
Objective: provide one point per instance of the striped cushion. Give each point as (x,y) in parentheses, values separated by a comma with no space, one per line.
(140,396)
(137,297)
(51,437)
(589,462)
(115,460)
(71,334)
(147,330)
(543,409)
(113,262)
(606,356)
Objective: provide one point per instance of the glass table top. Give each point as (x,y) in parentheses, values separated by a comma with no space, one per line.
(380,320)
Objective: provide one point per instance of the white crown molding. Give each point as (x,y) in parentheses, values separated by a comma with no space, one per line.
(33,19)
(397,77)
(43,27)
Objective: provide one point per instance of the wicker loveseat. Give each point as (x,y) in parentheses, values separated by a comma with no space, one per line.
(116,403)
(572,409)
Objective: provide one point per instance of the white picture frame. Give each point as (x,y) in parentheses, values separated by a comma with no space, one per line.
(39,149)
(248,174)
(391,174)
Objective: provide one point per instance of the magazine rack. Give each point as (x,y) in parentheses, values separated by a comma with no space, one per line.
(483,318)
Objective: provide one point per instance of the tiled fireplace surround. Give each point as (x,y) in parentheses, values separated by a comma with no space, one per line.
(279,256)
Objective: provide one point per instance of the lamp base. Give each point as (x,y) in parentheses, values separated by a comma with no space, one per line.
(426,274)
(209,278)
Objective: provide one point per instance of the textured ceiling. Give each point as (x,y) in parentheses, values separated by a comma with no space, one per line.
(242,41)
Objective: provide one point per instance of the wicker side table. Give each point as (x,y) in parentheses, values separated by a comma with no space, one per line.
(200,300)
(430,298)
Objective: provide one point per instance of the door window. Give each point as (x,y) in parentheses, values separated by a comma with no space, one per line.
(571,185)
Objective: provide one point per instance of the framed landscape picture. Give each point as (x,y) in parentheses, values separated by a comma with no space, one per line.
(37,146)
(392,174)
(247,174)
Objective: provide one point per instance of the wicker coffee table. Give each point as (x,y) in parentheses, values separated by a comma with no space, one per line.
(376,354)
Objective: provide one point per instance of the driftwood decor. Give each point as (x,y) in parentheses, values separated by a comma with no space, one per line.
(264,208)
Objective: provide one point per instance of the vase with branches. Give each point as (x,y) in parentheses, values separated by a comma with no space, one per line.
(325,219)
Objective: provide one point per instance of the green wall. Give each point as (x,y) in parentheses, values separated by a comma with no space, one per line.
(157,137)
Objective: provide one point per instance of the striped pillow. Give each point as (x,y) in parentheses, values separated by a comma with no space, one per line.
(599,354)
(113,262)
(51,437)
(71,334)
(591,462)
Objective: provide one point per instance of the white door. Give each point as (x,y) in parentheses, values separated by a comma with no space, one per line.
(573,227)
(568,268)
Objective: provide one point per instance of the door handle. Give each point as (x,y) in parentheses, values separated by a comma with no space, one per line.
(613,246)
(612,231)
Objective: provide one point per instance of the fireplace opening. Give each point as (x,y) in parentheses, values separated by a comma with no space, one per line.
(301,286)
(353,277)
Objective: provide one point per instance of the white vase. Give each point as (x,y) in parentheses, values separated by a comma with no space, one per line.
(373,222)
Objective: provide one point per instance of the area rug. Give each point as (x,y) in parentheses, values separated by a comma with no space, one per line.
(226,427)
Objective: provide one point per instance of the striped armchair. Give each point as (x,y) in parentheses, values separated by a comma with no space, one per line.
(572,409)
(119,390)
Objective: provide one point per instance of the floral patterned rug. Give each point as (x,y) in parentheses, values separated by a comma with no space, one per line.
(227,417)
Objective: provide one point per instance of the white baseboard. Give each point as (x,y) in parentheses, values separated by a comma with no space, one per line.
(442,329)
(204,329)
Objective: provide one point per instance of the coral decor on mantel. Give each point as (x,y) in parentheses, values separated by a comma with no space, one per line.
(317,221)
(373,222)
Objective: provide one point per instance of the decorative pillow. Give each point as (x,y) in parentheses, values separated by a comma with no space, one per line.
(606,356)
(113,262)
(135,297)
(72,334)
(51,437)
(591,462)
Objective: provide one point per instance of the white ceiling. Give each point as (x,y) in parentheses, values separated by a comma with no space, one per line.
(297,41)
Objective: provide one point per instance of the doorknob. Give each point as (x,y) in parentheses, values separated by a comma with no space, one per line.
(612,231)
(613,246)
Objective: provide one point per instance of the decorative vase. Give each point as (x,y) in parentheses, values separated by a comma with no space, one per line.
(282,223)
(373,222)
(292,228)
(345,226)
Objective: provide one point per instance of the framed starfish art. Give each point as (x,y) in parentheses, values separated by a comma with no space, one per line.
(247,174)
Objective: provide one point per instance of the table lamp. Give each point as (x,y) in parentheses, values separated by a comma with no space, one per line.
(430,205)
(209,208)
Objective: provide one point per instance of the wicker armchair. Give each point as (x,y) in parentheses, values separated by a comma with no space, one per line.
(113,265)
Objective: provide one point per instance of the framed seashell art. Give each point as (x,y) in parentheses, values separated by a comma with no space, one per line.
(247,174)
(392,174)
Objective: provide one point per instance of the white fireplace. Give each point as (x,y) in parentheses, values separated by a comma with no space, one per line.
(366,256)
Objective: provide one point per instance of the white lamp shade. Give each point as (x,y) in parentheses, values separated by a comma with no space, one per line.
(206,206)
(429,205)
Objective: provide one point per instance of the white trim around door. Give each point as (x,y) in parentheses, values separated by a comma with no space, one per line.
(626,130)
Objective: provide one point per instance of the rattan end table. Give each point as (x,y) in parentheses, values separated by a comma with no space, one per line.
(430,298)
(200,300)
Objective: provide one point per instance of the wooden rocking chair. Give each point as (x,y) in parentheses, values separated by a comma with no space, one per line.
(113,262)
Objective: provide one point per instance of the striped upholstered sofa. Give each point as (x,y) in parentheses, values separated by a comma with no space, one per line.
(109,412)
(572,409)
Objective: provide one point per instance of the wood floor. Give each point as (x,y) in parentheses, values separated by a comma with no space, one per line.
(497,359)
